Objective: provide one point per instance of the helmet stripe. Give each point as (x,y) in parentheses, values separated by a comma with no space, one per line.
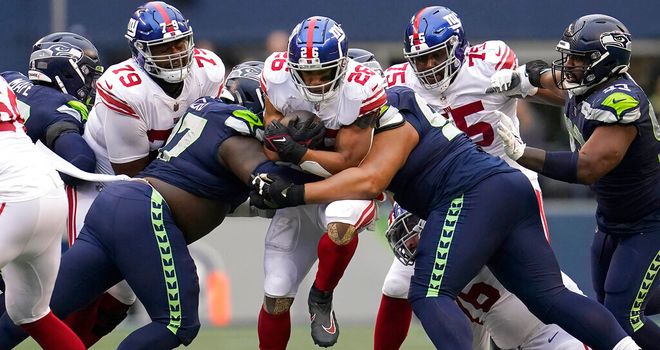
(310,36)
(418,15)
(166,18)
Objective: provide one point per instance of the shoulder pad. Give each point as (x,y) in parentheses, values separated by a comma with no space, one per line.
(491,56)
(245,123)
(396,74)
(211,64)
(275,69)
(112,91)
(617,107)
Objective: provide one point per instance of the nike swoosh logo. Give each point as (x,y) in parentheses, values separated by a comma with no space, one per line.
(553,337)
(332,329)
(280,140)
(108,85)
(615,101)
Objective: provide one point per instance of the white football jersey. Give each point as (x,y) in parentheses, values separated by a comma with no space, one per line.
(361,91)
(25,172)
(465,100)
(133,116)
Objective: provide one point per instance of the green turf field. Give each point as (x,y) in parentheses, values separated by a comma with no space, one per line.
(245,338)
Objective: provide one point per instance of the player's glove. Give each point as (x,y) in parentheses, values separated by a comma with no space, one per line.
(309,132)
(278,139)
(270,191)
(513,145)
(512,82)
(534,71)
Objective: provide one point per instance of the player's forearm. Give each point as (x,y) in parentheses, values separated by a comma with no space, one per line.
(352,183)
(333,162)
(532,159)
(561,165)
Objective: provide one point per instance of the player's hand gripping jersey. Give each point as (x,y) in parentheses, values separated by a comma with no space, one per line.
(361,91)
(133,116)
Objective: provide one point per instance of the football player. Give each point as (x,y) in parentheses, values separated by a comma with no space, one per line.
(55,97)
(32,217)
(615,147)
(452,75)
(139,101)
(438,174)
(494,312)
(200,175)
(315,75)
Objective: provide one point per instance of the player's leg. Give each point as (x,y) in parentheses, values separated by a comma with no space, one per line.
(552,337)
(631,278)
(602,249)
(152,255)
(290,252)
(395,312)
(526,266)
(457,240)
(343,220)
(31,275)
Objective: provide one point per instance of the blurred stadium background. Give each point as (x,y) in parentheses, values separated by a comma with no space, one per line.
(229,259)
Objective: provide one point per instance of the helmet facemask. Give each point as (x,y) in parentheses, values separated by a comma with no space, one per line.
(172,68)
(403,237)
(575,77)
(443,61)
(331,73)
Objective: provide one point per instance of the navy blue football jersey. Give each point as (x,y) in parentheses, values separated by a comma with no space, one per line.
(42,106)
(189,159)
(445,162)
(631,191)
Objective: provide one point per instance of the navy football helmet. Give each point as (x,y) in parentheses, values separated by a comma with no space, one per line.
(601,43)
(242,87)
(318,44)
(403,234)
(365,58)
(67,62)
(435,45)
(161,41)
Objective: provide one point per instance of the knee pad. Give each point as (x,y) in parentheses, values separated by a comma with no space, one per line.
(341,233)
(276,306)
(280,286)
(396,287)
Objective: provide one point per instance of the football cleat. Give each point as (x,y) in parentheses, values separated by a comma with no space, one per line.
(325,329)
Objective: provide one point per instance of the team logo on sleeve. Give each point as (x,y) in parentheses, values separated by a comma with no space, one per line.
(616,39)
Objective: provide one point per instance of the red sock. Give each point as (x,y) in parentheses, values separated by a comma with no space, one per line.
(274,330)
(392,323)
(52,334)
(111,312)
(81,321)
(333,260)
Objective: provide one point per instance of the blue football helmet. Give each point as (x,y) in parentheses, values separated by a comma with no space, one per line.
(602,42)
(435,45)
(365,58)
(243,87)
(318,44)
(157,23)
(403,234)
(67,62)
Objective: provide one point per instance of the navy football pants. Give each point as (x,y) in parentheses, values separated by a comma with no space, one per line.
(130,234)
(624,272)
(497,223)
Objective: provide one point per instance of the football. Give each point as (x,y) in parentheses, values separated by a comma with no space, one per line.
(305,127)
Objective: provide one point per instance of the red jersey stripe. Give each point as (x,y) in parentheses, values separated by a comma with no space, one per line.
(310,36)
(114,103)
(381,100)
(158,135)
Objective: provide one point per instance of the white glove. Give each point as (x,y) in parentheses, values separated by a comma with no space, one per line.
(512,82)
(513,145)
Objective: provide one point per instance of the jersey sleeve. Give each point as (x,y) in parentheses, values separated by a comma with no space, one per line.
(364,90)
(491,56)
(274,72)
(618,106)
(214,70)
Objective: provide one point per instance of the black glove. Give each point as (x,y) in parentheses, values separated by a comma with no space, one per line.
(309,132)
(270,191)
(277,139)
(534,71)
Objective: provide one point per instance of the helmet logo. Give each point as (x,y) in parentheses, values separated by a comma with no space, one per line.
(337,32)
(453,20)
(616,39)
(132,27)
